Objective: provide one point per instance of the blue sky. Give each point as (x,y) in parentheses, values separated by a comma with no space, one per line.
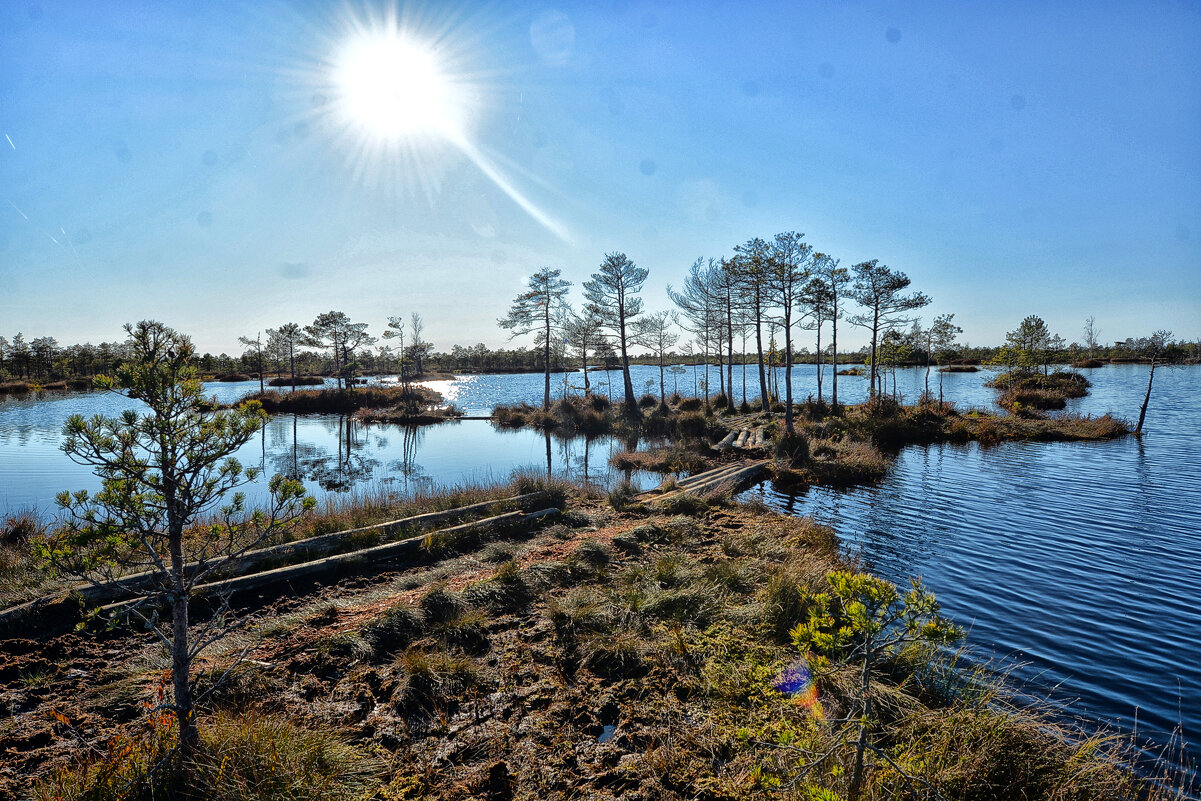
(191,165)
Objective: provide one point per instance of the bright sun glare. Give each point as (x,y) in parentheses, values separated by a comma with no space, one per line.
(394,88)
(403,100)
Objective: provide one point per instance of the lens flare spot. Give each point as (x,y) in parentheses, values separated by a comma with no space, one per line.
(797,681)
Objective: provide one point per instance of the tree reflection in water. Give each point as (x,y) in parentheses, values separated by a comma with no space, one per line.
(333,471)
(412,474)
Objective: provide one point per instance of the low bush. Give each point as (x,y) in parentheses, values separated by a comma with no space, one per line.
(794,447)
(240,758)
(395,629)
(693,425)
(301,381)
(430,681)
(624,497)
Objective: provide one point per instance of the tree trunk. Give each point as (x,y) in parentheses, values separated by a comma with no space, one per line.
(730,353)
(721,368)
(834,361)
(874,373)
(759,347)
(788,370)
(818,360)
(181,660)
(1142,413)
(631,401)
(546,360)
(584,359)
(861,744)
(292,362)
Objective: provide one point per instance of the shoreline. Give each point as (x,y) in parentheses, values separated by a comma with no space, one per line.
(524,586)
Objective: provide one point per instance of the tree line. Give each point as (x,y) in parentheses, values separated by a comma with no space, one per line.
(753,308)
(778,286)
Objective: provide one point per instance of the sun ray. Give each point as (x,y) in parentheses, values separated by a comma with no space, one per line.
(401,105)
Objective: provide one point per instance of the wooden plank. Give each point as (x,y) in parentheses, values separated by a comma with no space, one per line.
(745,473)
(727,441)
(137,584)
(355,561)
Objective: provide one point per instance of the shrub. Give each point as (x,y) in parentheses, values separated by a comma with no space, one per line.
(624,497)
(395,629)
(647,401)
(693,425)
(240,758)
(721,400)
(430,681)
(793,447)
(440,605)
(689,405)
(599,402)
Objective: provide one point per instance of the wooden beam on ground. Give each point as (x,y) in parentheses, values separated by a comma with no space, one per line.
(365,560)
(743,474)
(92,595)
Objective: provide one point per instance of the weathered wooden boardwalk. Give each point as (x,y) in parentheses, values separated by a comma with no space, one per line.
(326,555)
(733,476)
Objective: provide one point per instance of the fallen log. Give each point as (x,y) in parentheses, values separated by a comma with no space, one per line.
(726,442)
(332,567)
(92,595)
(692,480)
(708,474)
(745,473)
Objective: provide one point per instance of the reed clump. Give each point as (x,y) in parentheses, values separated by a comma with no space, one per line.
(1026,393)
(249,757)
(672,459)
(300,381)
(594,415)
(396,401)
(22,574)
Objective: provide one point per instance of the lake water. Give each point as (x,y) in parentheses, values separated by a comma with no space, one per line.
(1081,563)
(1078,563)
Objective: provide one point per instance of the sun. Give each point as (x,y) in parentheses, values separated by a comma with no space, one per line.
(392,87)
(404,97)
